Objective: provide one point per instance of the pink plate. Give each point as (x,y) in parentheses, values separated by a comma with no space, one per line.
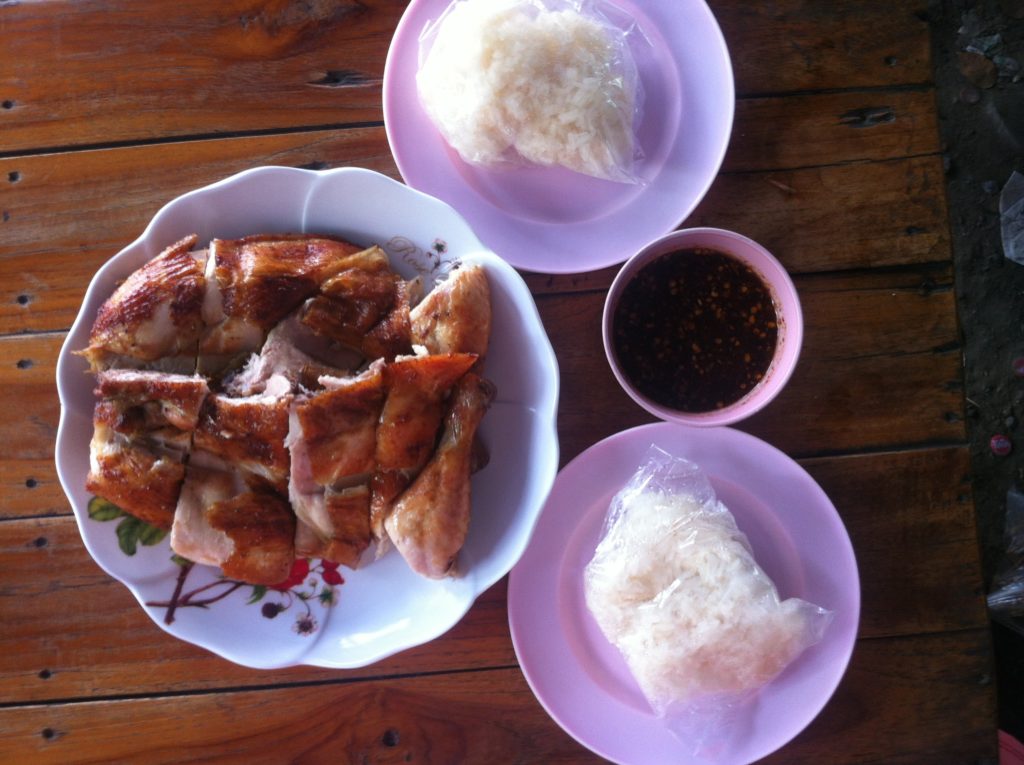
(580,678)
(557,221)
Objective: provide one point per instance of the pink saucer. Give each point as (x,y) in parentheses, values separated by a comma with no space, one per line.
(580,678)
(557,221)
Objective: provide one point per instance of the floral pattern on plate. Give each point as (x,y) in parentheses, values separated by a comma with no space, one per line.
(306,583)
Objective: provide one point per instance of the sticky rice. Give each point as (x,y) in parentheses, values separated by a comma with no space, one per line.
(555,87)
(674,586)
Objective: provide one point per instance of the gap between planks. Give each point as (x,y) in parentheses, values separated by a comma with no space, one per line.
(342,680)
(135,143)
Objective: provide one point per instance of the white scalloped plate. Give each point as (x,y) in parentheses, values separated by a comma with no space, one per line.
(382,608)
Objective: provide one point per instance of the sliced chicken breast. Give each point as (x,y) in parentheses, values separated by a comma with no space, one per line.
(248,534)
(257,281)
(139,478)
(248,434)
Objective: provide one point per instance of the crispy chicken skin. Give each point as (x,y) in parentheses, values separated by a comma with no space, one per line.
(132,474)
(156,314)
(429,522)
(332,438)
(337,427)
(392,335)
(227,412)
(456,316)
(249,534)
(346,513)
(407,432)
(262,527)
(256,281)
(162,399)
(248,434)
(141,430)
(366,307)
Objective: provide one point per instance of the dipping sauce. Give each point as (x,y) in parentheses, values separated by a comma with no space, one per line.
(695,330)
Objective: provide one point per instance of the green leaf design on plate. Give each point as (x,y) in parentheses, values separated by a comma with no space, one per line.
(128,532)
(151,535)
(132,532)
(258,591)
(103,510)
(326,596)
(177,560)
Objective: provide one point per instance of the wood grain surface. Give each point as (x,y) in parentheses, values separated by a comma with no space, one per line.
(112,108)
(879,714)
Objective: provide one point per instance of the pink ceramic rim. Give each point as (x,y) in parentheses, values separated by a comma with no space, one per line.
(555,221)
(581,680)
(791,323)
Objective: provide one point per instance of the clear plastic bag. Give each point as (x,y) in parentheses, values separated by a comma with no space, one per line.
(1006,599)
(673,584)
(542,82)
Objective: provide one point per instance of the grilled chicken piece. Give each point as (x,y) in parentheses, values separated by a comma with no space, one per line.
(153,399)
(142,428)
(392,336)
(456,316)
(154,319)
(135,476)
(365,307)
(248,534)
(248,434)
(429,522)
(332,438)
(256,281)
(354,300)
(346,513)
(407,432)
(294,352)
(336,429)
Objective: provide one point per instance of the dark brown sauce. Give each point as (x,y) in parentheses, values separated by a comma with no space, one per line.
(695,330)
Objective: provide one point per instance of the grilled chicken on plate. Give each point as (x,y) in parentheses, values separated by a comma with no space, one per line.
(284,395)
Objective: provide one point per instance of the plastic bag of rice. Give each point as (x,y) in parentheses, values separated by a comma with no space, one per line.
(545,81)
(674,586)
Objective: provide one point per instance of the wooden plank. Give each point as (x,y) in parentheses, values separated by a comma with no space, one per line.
(907,700)
(862,215)
(71,631)
(904,532)
(879,369)
(194,68)
(914,539)
(28,424)
(866,403)
(826,45)
(188,67)
(895,705)
(93,203)
(870,214)
(878,314)
(831,128)
(827,407)
(850,391)
(29,487)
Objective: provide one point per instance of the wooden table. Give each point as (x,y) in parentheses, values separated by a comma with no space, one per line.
(110,109)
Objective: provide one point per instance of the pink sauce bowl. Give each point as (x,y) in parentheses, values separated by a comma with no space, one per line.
(787,307)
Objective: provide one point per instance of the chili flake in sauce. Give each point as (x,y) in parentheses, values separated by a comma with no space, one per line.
(695,330)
